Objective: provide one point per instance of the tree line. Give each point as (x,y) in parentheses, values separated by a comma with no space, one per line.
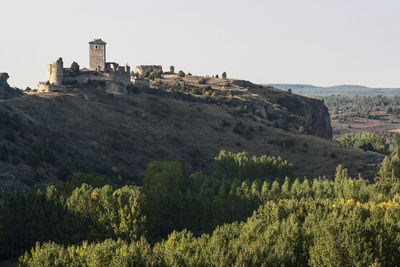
(88,208)
(246,217)
(301,222)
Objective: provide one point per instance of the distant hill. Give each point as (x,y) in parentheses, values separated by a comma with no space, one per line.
(348,90)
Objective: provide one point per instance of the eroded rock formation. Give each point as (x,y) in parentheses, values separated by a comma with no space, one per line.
(318,119)
(6,92)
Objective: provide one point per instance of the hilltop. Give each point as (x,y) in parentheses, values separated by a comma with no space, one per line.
(81,129)
(345,90)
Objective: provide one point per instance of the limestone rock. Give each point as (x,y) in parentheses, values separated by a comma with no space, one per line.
(6,92)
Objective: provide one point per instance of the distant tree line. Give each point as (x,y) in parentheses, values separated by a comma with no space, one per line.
(361,106)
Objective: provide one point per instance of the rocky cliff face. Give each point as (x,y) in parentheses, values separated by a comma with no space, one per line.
(309,113)
(6,92)
(317,119)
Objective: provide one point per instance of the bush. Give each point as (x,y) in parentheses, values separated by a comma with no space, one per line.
(75,67)
(181,74)
(224,75)
(172,69)
(94,145)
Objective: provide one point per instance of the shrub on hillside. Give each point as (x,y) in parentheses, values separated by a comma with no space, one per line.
(202,81)
(75,67)
(181,74)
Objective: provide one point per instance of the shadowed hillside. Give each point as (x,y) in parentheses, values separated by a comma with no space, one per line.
(48,136)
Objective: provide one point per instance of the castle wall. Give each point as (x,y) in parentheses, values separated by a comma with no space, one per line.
(140,83)
(119,76)
(83,77)
(46,87)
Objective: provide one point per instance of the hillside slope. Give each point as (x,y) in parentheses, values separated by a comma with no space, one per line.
(51,135)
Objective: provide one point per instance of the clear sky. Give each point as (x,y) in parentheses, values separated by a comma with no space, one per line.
(322,42)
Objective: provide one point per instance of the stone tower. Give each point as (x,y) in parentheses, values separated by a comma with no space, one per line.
(55,72)
(97,54)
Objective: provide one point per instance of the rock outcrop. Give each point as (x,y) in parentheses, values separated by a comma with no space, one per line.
(318,119)
(311,113)
(6,92)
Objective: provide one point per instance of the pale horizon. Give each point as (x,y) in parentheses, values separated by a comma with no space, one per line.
(317,42)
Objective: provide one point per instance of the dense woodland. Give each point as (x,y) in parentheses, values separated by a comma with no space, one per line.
(369,141)
(347,107)
(250,212)
(344,90)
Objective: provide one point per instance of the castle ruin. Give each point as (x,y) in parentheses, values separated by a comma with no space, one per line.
(143,69)
(111,76)
(55,72)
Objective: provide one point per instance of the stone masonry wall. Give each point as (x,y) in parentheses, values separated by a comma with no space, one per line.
(97,55)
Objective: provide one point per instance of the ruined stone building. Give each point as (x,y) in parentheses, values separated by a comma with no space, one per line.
(142,69)
(110,76)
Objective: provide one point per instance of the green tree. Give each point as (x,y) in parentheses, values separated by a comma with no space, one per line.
(75,67)
(181,74)
(164,184)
